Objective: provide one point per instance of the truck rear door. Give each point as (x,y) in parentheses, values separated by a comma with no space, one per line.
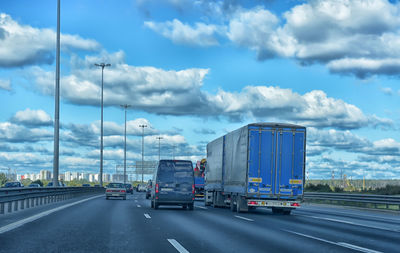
(290,162)
(276,161)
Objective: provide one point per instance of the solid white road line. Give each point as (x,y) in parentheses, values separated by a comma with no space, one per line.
(202,207)
(17,224)
(177,246)
(147,216)
(138,205)
(342,244)
(349,222)
(355,247)
(243,218)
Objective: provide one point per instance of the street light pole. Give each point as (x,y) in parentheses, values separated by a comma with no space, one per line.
(126,107)
(57,104)
(102,65)
(159,147)
(142,126)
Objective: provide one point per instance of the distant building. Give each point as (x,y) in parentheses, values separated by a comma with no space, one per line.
(119,178)
(45,175)
(84,176)
(67,176)
(106,178)
(75,176)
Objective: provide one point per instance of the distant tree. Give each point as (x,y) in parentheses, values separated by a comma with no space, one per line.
(3,179)
(26,181)
(38,182)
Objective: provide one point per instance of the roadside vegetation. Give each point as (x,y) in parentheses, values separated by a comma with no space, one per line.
(387,190)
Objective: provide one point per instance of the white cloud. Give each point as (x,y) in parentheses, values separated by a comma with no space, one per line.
(198,35)
(357,37)
(22,45)
(170,92)
(15,133)
(5,85)
(32,118)
(387,91)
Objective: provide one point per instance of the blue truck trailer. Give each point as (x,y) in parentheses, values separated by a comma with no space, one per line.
(258,165)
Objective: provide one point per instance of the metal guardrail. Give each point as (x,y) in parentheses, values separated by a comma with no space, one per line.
(362,200)
(14,199)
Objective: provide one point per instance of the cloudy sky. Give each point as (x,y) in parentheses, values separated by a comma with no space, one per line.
(195,70)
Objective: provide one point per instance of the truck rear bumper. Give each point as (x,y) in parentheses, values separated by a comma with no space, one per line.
(273,203)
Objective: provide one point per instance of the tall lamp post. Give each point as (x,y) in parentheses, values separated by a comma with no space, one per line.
(57,104)
(102,65)
(126,107)
(142,126)
(159,147)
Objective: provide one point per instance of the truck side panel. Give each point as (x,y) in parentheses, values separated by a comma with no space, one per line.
(235,161)
(214,164)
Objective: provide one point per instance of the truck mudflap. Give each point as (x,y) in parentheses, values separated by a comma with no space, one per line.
(273,203)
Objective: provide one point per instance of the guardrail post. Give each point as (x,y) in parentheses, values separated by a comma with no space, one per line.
(23,204)
(16,206)
(1,208)
(27,203)
(9,206)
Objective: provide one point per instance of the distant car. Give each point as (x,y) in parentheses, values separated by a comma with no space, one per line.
(173,184)
(34,185)
(60,184)
(129,188)
(116,190)
(141,188)
(85,185)
(13,185)
(148,189)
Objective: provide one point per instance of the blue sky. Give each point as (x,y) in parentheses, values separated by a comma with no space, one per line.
(194,70)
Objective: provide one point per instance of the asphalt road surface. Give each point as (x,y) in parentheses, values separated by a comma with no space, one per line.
(100,225)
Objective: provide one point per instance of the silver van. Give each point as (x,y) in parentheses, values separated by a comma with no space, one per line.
(173,184)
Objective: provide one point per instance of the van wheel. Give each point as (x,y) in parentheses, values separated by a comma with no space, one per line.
(287,212)
(184,207)
(151,203)
(191,207)
(107,198)
(155,205)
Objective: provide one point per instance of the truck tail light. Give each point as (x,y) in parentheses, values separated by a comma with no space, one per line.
(156,188)
(193,188)
(122,191)
(108,190)
(252,203)
(295,204)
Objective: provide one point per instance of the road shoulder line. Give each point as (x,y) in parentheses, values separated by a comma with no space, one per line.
(22,222)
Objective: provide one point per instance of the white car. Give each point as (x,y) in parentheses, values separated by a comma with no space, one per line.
(142,188)
(116,190)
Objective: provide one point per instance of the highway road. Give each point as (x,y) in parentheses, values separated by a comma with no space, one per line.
(100,225)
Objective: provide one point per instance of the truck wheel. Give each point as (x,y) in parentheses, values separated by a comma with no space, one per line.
(155,205)
(214,201)
(233,205)
(191,207)
(238,204)
(184,207)
(152,204)
(287,212)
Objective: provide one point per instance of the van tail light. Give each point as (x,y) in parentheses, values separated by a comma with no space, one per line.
(108,190)
(122,191)
(252,203)
(295,204)
(192,188)
(156,188)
